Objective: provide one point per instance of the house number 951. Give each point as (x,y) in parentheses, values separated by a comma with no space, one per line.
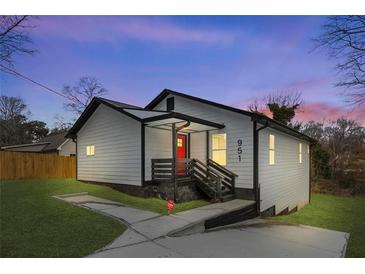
(239,149)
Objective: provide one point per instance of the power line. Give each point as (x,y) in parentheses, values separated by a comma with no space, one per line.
(13,72)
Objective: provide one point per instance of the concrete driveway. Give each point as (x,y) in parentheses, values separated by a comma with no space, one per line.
(262,240)
(150,235)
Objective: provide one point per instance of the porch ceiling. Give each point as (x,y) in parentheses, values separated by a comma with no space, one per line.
(166,120)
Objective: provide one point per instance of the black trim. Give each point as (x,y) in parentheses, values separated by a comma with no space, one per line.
(310,173)
(90,109)
(255,167)
(256,184)
(257,117)
(167,92)
(174,153)
(77,156)
(143,159)
(182,117)
(207,141)
(189,145)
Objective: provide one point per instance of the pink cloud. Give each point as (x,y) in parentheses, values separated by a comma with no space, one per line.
(320,111)
(114,29)
(324,112)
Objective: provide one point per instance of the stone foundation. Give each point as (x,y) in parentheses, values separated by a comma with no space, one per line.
(186,191)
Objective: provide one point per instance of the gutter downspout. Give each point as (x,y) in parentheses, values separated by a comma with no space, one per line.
(310,172)
(74,139)
(256,185)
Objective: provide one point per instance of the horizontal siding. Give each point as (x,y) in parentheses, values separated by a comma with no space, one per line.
(286,183)
(198,146)
(237,126)
(158,145)
(117,141)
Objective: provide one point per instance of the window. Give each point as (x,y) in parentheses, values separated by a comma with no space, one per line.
(219,148)
(170,104)
(271,149)
(300,153)
(308,149)
(179,142)
(90,150)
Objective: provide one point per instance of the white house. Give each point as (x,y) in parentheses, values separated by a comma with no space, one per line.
(179,140)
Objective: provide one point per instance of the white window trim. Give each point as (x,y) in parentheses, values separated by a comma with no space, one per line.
(273,162)
(219,149)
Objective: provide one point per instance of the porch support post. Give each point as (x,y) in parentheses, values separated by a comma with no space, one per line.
(173,171)
(143,158)
(256,184)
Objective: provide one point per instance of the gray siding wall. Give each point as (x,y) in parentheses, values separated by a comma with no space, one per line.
(117,140)
(286,183)
(158,145)
(237,127)
(198,146)
(68,148)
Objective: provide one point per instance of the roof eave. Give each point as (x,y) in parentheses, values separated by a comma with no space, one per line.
(90,109)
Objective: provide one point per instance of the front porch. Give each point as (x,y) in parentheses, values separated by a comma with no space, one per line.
(177,156)
(212,179)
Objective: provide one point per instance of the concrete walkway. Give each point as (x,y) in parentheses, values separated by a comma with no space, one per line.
(152,235)
(145,225)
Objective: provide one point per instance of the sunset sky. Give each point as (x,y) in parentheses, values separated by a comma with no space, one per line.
(228,59)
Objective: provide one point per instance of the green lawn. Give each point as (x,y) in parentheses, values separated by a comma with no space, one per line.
(337,213)
(33,224)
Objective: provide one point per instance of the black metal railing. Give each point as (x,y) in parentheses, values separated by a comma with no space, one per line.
(213,176)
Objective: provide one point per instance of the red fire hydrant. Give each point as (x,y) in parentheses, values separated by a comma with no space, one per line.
(170,206)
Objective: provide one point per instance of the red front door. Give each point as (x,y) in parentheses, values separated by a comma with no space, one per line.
(181,153)
(181,146)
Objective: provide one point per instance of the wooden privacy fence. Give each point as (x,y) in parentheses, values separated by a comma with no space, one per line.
(28,165)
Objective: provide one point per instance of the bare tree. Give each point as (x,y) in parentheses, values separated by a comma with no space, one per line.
(344,37)
(257,106)
(60,125)
(82,93)
(14,39)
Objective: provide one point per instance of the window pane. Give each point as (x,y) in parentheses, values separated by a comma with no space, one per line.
(271,157)
(271,141)
(92,150)
(87,150)
(300,147)
(300,158)
(179,142)
(219,141)
(219,156)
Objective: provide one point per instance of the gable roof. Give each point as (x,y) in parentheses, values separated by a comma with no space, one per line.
(54,140)
(25,145)
(90,109)
(260,118)
(135,112)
